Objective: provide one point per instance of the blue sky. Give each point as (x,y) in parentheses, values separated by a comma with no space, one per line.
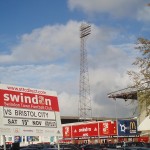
(40,47)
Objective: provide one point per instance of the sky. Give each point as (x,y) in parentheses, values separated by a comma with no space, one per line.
(40,48)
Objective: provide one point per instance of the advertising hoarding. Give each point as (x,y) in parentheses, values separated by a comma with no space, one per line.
(127,127)
(67,131)
(28,111)
(85,130)
(17,139)
(107,128)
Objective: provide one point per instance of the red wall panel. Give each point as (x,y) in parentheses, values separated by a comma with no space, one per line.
(107,128)
(84,130)
(67,131)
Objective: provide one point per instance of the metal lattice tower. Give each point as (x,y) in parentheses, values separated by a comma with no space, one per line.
(85,110)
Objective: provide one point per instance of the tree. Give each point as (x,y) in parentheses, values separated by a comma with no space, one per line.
(141,78)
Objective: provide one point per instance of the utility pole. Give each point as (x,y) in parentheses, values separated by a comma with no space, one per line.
(85,110)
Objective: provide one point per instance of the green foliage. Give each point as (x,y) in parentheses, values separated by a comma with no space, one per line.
(141,78)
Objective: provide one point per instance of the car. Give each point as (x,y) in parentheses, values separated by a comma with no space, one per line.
(135,144)
(56,149)
(62,147)
(147,145)
(71,146)
(29,148)
(136,148)
(92,147)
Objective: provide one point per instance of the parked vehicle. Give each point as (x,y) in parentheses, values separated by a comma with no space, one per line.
(57,149)
(92,147)
(136,148)
(29,148)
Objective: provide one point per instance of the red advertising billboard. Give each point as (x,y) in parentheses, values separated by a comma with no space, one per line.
(107,128)
(67,131)
(85,130)
(19,99)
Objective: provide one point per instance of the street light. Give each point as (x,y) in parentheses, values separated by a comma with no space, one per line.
(116,118)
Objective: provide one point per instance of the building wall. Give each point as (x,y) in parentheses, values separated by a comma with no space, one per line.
(143,104)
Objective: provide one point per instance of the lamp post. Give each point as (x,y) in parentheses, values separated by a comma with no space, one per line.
(4,142)
(116,118)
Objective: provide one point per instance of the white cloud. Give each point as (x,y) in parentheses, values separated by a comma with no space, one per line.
(116,8)
(59,42)
(143,14)
(46,44)
(68,104)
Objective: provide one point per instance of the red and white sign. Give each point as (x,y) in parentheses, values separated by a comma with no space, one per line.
(28,100)
(67,131)
(107,128)
(28,111)
(85,130)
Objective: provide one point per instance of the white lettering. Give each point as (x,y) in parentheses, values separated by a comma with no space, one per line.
(84,129)
(35,100)
(6,97)
(26,99)
(48,102)
(14,98)
(85,134)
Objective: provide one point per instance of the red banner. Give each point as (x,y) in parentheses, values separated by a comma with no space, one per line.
(107,128)
(67,132)
(85,130)
(143,139)
(28,100)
